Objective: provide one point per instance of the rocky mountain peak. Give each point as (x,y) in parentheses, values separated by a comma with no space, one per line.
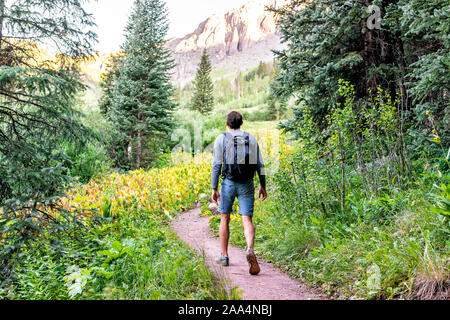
(238,39)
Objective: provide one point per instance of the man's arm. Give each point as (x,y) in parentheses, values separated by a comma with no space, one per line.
(216,168)
(261,170)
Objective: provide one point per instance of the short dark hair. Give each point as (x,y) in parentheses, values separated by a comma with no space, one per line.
(234,120)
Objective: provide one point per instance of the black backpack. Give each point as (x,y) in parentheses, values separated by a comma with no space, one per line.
(235,171)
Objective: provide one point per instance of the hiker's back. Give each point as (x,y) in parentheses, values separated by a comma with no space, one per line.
(240,156)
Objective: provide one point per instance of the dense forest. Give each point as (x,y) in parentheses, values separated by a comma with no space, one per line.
(352,117)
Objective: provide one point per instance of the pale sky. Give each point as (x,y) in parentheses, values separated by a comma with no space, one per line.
(111,17)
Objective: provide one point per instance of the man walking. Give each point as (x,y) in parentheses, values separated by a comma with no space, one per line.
(237,157)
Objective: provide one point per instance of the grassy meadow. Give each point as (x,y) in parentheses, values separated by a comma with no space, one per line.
(391,245)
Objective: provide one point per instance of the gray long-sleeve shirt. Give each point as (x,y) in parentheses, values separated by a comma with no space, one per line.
(254,151)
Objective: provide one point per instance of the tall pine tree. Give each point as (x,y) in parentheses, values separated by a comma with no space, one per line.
(142,105)
(37,95)
(116,144)
(407,54)
(203,99)
(37,114)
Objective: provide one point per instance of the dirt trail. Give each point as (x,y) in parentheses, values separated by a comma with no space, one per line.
(270,284)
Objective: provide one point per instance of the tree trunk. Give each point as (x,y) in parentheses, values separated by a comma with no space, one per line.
(130,153)
(139,149)
(139,143)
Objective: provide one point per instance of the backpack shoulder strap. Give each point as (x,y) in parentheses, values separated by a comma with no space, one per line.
(247,147)
(247,137)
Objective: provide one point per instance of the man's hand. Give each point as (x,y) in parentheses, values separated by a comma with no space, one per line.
(215,196)
(262,194)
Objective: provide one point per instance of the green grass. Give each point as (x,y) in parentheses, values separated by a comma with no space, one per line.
(135,259)
(131,254)
(217,74)
(405,255)
(259,125)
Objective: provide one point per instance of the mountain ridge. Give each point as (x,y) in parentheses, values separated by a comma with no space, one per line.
(236,40)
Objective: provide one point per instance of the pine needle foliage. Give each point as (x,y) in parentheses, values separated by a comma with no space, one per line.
(141,105)
(203,99)
(37,115)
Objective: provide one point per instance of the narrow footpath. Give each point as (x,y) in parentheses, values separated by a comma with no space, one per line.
(270,284)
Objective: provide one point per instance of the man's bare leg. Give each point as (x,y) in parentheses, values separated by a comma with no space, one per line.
(249,231)
(224,233)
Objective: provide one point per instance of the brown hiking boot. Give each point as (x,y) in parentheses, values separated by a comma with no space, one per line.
(253,263)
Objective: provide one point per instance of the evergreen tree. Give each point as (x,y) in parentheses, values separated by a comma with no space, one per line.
(107,80)
(142,104)
(405,55)
(422,45)
(315,60)
(203,99)
(260,70)
(37,95)
(37,114)
(277,106)
(116,143)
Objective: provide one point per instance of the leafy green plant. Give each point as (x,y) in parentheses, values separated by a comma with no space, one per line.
(76,280)
(106,208)
(131,254)
(442,205)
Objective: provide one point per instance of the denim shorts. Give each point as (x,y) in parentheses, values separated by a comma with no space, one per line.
(245,192)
